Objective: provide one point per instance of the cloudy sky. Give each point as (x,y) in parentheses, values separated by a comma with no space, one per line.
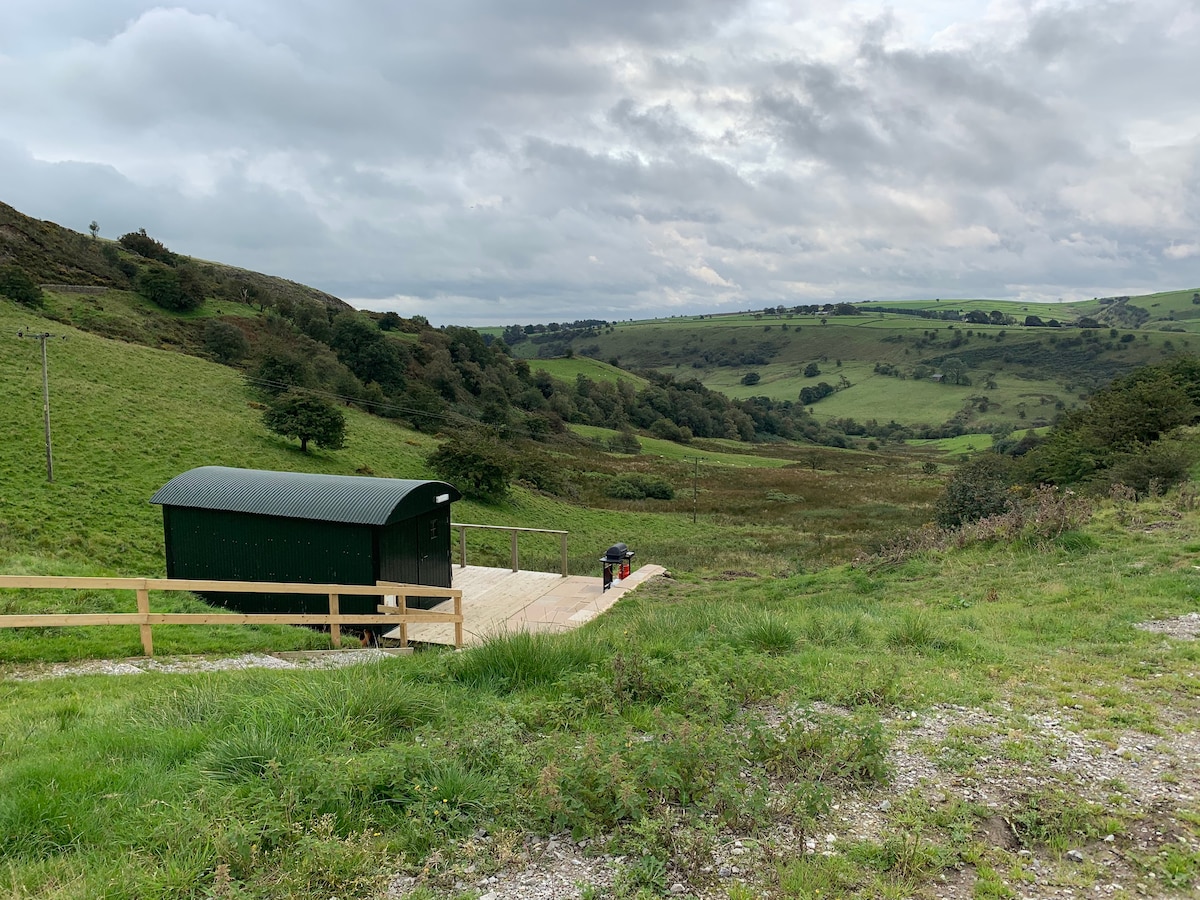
(479,161)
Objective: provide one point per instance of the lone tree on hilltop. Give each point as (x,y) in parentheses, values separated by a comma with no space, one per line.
(94,228)
(309,418)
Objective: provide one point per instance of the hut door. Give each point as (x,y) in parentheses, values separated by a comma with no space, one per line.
(433,540)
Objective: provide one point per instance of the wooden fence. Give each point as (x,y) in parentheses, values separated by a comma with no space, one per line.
(388,614)
(514,534)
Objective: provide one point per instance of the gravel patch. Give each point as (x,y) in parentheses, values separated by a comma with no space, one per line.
(546,868)
(192,664)
(1185,628)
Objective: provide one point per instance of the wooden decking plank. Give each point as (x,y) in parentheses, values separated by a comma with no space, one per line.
(500,600)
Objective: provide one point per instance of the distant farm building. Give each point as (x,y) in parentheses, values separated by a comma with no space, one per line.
(230,524)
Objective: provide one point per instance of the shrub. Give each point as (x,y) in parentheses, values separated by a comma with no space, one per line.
(143,245)
(751,378)
(978,489)
(16,284)
(624,441)
(665,429)
(541,471)
(478,465)
(638,486)
(225,341)
(1165,463)
(810,395)
(179,290)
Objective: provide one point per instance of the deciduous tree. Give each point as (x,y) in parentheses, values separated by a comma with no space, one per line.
(309,418)
(478,465)
(16,284)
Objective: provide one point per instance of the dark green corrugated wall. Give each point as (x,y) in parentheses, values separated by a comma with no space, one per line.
(215,544)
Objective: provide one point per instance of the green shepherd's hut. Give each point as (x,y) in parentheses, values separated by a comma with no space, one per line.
(230,524)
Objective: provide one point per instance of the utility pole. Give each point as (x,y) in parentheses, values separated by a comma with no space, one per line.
(695,477)
(43,337)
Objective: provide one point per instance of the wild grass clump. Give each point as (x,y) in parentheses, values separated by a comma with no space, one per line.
(828,628)
(611,778)
(767,634)
(919,633)
(822,749)
(520,660)
(874,683)
(1059,820)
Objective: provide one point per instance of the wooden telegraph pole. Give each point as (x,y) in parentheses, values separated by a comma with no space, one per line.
(43,337)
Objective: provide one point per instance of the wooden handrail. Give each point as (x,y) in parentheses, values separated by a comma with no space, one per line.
(386,615)
(514,532)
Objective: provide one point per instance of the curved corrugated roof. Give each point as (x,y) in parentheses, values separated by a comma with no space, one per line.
(297,495)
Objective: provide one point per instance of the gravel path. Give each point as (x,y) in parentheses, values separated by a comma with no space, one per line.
(191,664)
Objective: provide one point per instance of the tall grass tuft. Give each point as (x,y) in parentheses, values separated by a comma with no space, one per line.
(767,634)
(836,629)
(249,752)
(917,632)
(370,703)
(512,662)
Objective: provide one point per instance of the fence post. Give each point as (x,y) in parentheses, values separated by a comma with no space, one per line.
(403,620)
(462,546)
(143,608)
(515,566)
(458,622)
(563,541)
(335,630)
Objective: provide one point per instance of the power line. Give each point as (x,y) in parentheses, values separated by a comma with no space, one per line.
(695,483)
(43,337)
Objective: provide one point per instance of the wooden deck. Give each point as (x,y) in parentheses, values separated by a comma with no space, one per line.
(496,601)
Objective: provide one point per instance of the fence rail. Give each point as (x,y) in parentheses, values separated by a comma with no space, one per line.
(514,533)
(388,614)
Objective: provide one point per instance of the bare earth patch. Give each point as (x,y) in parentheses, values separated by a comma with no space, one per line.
(1185,627)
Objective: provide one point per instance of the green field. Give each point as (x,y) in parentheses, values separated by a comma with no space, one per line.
(1026,375)
(570,369)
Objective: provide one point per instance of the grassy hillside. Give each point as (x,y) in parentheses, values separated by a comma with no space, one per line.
(570,369)
(1025,374)
(980,718)
(51,254)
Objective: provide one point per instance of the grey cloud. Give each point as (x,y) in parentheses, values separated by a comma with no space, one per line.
(510,161)
(660,124)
